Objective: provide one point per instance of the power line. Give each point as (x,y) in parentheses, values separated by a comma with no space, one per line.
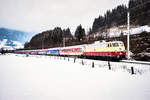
(146,2)
(132,15)
(135,16)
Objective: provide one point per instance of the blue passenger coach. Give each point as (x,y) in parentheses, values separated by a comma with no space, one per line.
(52,52)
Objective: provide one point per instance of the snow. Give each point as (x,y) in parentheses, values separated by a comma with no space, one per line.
(52,78)
(17,44)
(4,46)
(138,30)
(3,43)
(116,32)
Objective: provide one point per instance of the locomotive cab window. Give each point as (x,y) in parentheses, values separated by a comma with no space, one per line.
(121,44)
(115,44)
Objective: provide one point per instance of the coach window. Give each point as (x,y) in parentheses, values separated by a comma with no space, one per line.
(80,49)
(77,50)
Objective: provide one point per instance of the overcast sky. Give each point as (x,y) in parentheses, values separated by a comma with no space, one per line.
(41,15)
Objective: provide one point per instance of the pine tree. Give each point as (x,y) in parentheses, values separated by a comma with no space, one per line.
(67,33)
(114,17)
(80,33)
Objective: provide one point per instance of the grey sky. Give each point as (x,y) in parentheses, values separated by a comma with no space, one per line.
(41,15)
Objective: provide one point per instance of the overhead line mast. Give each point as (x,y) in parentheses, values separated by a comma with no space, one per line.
(128,35)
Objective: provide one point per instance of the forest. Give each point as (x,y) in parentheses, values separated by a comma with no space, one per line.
(139,15)
(57,37)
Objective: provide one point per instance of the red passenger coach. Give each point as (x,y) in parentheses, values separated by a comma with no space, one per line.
(70,51)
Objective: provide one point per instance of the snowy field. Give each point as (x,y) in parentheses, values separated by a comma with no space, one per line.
(51,78)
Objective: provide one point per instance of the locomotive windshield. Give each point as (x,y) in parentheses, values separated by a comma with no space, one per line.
(115,44)
(121,44)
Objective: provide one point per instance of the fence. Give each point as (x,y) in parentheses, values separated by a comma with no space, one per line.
(132,68)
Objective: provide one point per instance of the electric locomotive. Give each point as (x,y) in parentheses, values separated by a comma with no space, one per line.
(112,50)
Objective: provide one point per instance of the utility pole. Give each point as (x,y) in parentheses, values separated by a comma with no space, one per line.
(63,42)
(128,36)
(43,42)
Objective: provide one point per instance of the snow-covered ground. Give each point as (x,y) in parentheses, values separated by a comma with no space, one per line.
(117,32)
(16,45)
(51,78)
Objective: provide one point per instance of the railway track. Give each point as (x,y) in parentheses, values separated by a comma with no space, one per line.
(132,67)
(106,61)
(136,62)
(124,61)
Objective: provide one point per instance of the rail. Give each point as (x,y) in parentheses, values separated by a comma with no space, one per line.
(136,62)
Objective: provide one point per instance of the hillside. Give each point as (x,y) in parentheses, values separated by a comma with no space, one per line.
(139,39)
(139,15)
(111,26)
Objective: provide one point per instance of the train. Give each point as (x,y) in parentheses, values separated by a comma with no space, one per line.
(112,50)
